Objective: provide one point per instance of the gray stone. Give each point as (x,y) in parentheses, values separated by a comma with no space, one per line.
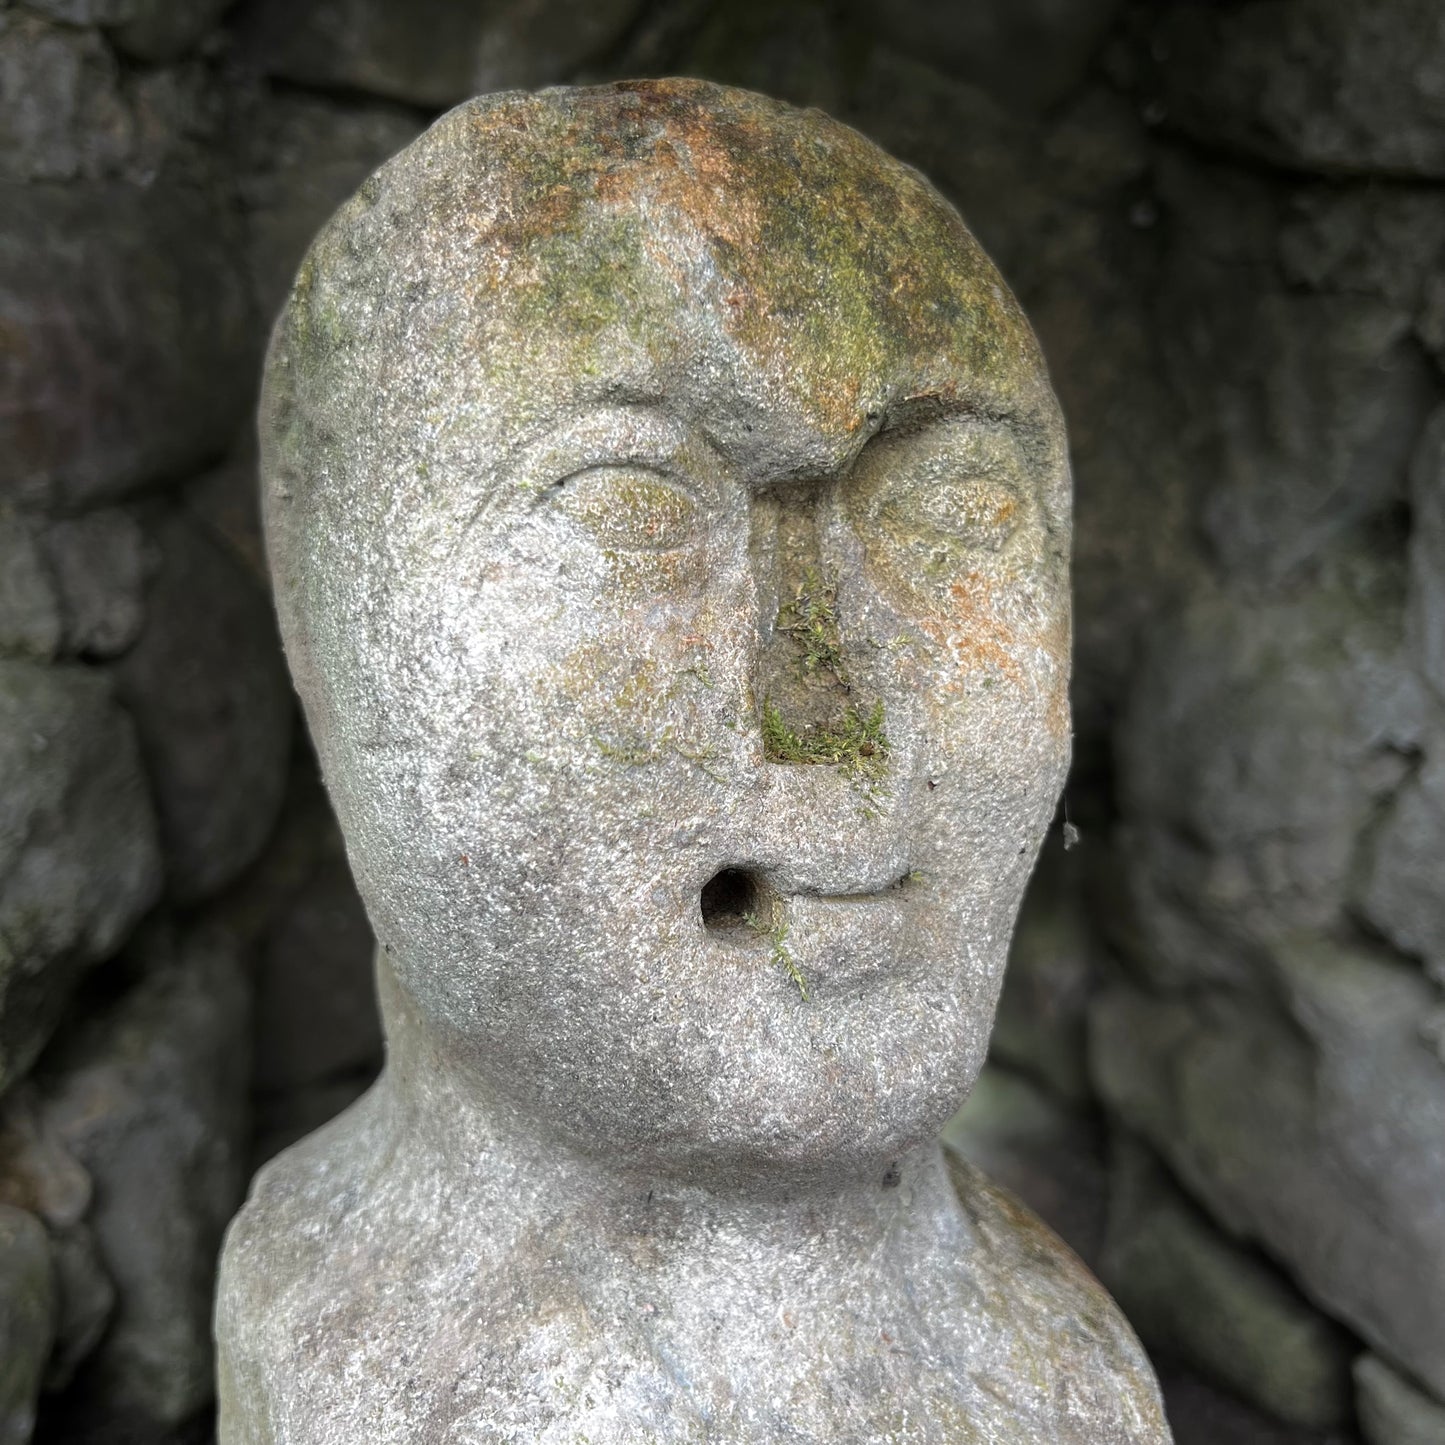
(38,1174)
(1392,1410)
(301,157)
(668,511)
(212,709)
(30,620)
(1054,206)
(1197,1296)
(78,857)
(1259,741)
(62,113)
(131,338)
(1029,56)
(1425,610)
(1313,1127)
(433,52)
(71,587)
(26,1320)
(1299,411)
(1049,1156)
(151,30)
(1324,85)
(98,562)
(1401,892)
(149,1095)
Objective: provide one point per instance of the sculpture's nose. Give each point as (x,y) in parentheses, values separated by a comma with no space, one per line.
(813,711)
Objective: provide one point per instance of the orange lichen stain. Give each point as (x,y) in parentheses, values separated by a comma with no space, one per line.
(979,639)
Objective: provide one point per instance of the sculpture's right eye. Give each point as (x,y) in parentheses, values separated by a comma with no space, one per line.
(630,507)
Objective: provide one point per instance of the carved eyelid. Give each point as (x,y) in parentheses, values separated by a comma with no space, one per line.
(630,505)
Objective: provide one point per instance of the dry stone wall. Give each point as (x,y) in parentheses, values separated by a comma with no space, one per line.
(1220,1061)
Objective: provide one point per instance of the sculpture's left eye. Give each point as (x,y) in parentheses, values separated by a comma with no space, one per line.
(632,508)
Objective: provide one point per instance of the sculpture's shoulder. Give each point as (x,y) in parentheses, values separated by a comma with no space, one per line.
(1066,1329)
(277,1253)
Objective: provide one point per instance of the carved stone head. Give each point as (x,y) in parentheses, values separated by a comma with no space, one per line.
(669,512)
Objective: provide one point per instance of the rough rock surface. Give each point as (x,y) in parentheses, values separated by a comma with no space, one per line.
(1325,85)
(301,158)
(78,857)
(1195,1295)
(1259,741)
(149,1095)
(38,1174)
(681,624)
(212,710)
(1310,1124)
(27,1317)
(1392,1410)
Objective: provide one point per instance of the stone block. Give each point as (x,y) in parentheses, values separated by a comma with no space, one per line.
(1314,1126)
(212,707)
(79,861)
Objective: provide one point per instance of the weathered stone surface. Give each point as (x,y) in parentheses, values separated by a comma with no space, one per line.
(1325,85)
(301,157)
(70,587)
(212,709)
(68,110)
(1064,212)
(1050,1157)
(1028,56)
(98,562)
(1392,1410)
(1425,610)
(433,53)
(130,338)
(27,1315)
(62,113)
(149,1094)
(656,944)
(78,856)
(1299,411)
(30,620)
(1402,893)
(1313,1127)
(38,1174)
(1258,742)
(1197,1296)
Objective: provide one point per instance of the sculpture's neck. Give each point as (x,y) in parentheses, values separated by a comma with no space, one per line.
(763,1238)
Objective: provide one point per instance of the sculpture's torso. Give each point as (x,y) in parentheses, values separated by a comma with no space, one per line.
(976,1326)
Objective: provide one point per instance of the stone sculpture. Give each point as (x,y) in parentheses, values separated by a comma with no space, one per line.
(669,514)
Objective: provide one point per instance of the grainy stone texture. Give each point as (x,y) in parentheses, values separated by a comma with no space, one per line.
(661,482)
(1310,1124)
(212,710)
(1196,1295)
(149,1095)
(1392,1410)
(1325,85)
(71,780)
(27,1315)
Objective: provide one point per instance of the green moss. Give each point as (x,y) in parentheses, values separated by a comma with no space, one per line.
(811,620)
(775,929)
(855,743)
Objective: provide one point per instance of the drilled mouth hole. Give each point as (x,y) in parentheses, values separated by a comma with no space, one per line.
(732,899)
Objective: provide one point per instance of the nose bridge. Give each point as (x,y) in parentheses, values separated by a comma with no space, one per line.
(799,668)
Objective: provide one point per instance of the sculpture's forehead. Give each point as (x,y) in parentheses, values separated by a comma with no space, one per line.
(663,237)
